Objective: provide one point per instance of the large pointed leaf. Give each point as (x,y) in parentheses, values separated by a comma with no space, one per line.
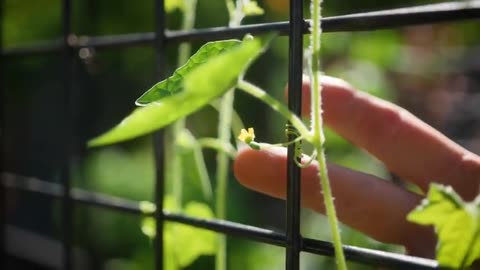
(202,84)
(456,222)
(174,83)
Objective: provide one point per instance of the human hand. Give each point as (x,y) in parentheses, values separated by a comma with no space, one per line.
(408,147)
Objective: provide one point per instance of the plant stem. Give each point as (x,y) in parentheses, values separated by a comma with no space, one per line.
(230,8)
(188,22)
(330,209)
(224,136)
(260,94)
(214,143)
(318,136)
(173,165)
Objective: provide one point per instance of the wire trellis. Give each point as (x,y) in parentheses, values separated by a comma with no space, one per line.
(292,240)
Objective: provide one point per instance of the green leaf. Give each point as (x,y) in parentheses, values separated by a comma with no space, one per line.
(456,222)
(174,83)
(149,227)
(171,5)
(193,162)
(223,71)
(191,242)
(202,84)
(183,243)
(251,8)
(169,262)
(148,224)
(147,207)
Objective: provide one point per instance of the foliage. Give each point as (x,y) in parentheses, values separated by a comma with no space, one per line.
(174,83)
(456,222)
(201,85)
(183,243)
(108,97)
(171,5)
(251,8)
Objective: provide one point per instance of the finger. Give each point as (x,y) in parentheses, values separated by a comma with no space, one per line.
(364,202)
(408,147)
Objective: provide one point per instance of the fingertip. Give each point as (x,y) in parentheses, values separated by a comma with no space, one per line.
(265,171)
(261,170)
(334,82)
(331,86)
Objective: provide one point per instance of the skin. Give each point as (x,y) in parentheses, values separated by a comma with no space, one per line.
(407,146)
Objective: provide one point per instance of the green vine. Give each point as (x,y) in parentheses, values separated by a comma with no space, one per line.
(197,83)
(224,136)
(318,137)
(173,165)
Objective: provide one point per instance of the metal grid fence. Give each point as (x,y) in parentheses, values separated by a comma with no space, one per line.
(292,240)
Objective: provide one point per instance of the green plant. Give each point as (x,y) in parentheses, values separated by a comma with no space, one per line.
(181,96)
(456,222)
(198,83)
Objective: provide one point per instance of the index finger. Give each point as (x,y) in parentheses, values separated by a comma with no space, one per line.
(408,146)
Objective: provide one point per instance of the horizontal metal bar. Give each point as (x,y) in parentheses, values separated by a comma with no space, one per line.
(356,254)
(367,21)
(371,256)
(41,250)
(402,17)
(31,184)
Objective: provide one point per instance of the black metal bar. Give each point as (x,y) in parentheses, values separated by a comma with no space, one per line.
(401,17)
(295,66)
(369,256)
(292,240)
(356,254)
(17,182)
(67,203)
(219,33)
(3,193)
(160,41)
(367,21)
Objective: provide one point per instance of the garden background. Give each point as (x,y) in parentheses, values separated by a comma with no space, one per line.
(431,70)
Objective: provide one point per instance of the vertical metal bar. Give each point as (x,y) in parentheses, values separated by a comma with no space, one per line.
(3,220)
(67,203)
(295,67)
(159,136)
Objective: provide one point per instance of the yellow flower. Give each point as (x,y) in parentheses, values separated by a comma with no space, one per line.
(246,136)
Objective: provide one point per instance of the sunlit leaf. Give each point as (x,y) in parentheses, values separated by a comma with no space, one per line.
(202,84)
(222,72)
(456,222)
(251,8)
(191,242)
(174,83)
(169,261)
(147,207)
(171,5)
(193,162)
(183,243)
(149,227)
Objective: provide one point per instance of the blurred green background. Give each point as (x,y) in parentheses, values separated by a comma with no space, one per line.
(421,68)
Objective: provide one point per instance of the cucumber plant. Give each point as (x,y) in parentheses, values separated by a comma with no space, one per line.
(168,103)
(215,71)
